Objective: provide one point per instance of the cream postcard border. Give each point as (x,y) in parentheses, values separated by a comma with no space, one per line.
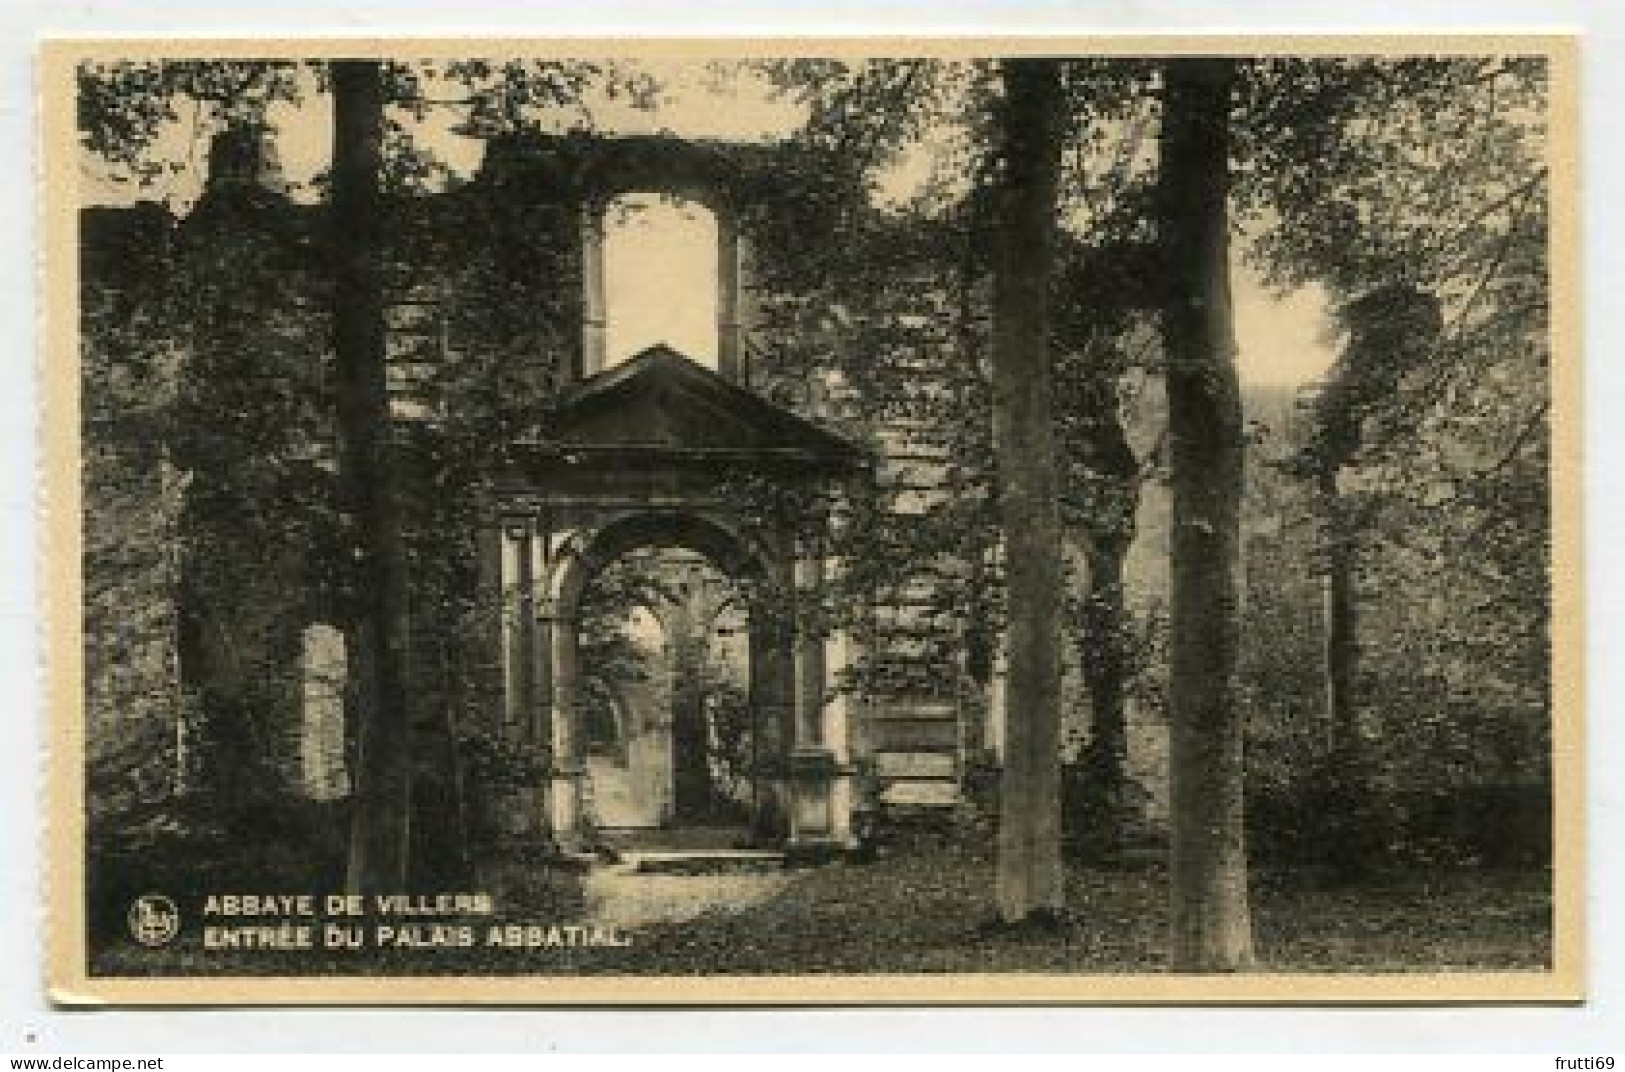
(66,979)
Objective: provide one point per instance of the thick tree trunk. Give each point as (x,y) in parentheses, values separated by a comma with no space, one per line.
(1211,928)
(1342,651)
(1029,845)
(381,826)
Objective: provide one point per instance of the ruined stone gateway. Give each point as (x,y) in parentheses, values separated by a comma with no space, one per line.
(638,457)
(497,292)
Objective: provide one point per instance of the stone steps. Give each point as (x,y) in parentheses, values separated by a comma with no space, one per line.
(704,861)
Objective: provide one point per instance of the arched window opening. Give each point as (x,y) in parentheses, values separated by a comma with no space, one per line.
(660,277)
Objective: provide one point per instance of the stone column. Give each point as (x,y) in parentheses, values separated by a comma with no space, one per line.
(538,726)
(594,301)
(525,814)
(813,826)
(838,658)
(809,652)
(772,692)
(567,812)
(538,713)
(516,662)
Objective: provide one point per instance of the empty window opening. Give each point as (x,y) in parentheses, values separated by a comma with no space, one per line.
(660,277)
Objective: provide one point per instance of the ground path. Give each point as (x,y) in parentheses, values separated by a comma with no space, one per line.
(621,895)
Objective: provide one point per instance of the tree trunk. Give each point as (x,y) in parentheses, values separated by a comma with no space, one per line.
(1211,928)
(381,826)
(1029,845)
(1342,652)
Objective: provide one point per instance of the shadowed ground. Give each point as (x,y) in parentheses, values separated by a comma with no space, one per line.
(928,912)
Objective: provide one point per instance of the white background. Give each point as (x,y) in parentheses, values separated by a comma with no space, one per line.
(29,1026)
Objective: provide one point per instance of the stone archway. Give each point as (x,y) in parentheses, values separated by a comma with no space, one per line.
(581,554)
(645,454)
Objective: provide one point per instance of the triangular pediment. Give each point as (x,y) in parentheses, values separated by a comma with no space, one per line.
(661,401)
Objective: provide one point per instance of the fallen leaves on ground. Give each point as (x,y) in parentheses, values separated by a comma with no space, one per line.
(929,912)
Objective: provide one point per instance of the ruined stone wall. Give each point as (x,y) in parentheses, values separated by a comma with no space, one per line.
(487,323)
(131,505)
(204,499)
(868,340)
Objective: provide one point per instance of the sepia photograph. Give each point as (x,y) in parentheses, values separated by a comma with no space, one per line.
(1071,520)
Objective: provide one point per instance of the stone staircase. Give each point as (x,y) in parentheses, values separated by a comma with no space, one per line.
(692,850)
(704,861)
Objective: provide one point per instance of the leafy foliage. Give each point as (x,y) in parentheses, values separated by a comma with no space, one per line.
(1388,179)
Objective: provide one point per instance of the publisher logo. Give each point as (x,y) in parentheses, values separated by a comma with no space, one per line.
(154,920)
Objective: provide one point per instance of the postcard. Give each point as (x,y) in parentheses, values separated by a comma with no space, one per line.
(805,521)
